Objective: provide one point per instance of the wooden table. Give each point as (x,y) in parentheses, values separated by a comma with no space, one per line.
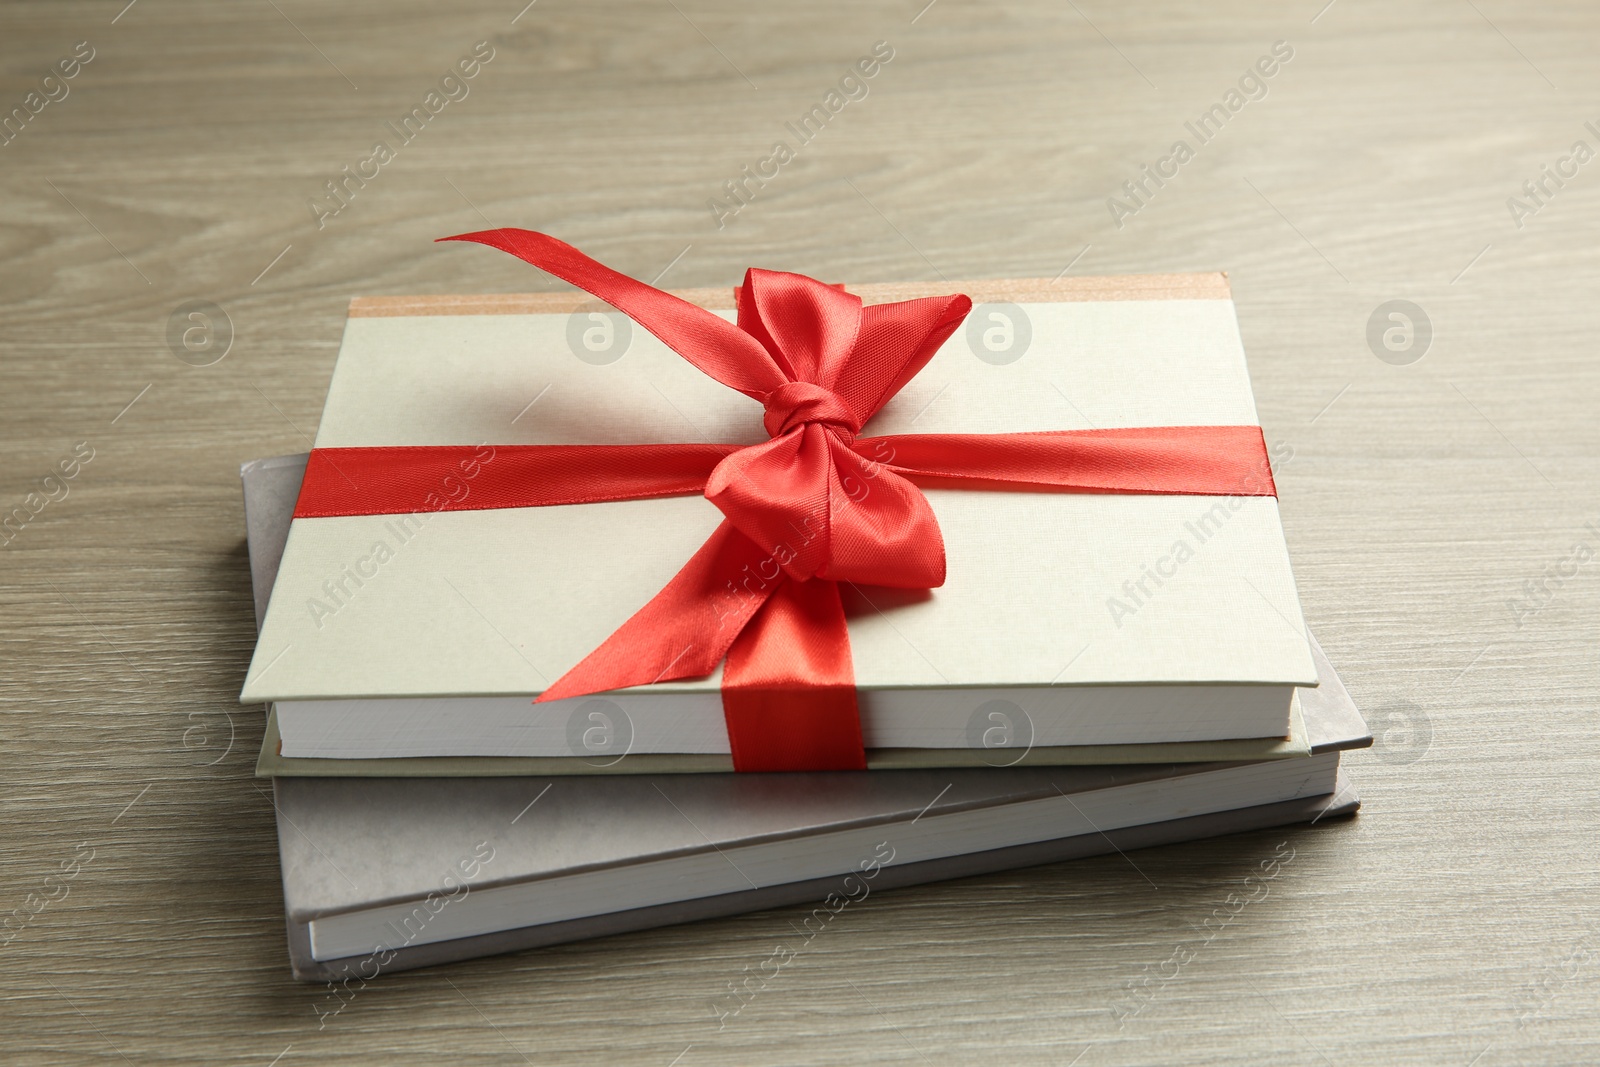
(1434,505)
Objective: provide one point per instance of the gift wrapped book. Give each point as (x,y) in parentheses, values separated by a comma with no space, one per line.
(781,529)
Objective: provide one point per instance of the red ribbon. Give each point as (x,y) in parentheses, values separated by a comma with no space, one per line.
(812,507)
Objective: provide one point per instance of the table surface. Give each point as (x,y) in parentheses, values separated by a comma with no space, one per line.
(1437,508)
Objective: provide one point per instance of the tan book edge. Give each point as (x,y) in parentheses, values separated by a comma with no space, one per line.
(1209,286)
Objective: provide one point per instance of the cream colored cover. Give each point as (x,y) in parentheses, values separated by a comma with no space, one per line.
(1044,590)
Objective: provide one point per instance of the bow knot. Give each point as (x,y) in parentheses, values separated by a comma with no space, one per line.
(797,403)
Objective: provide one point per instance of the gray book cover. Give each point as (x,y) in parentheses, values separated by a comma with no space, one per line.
(352,846)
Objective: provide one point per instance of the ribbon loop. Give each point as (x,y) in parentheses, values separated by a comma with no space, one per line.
(778,495)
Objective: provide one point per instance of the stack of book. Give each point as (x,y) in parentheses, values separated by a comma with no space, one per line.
(1101,671)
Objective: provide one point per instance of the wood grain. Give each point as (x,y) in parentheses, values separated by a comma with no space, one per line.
(1454,922)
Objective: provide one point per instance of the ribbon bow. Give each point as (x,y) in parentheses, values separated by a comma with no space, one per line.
(829,364)
(812,507)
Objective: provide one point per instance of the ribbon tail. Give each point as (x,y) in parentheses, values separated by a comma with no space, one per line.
(686,629)
(788,690)
(716,346)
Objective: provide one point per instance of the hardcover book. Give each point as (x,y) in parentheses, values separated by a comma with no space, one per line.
(1104,618)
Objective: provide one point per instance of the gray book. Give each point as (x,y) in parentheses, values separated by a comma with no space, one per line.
(383,874)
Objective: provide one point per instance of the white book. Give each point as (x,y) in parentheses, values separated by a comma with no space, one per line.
(1104,618)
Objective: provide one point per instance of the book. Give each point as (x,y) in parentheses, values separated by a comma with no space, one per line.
(1094,615)
(409,872)
(422,876)
(384,874)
